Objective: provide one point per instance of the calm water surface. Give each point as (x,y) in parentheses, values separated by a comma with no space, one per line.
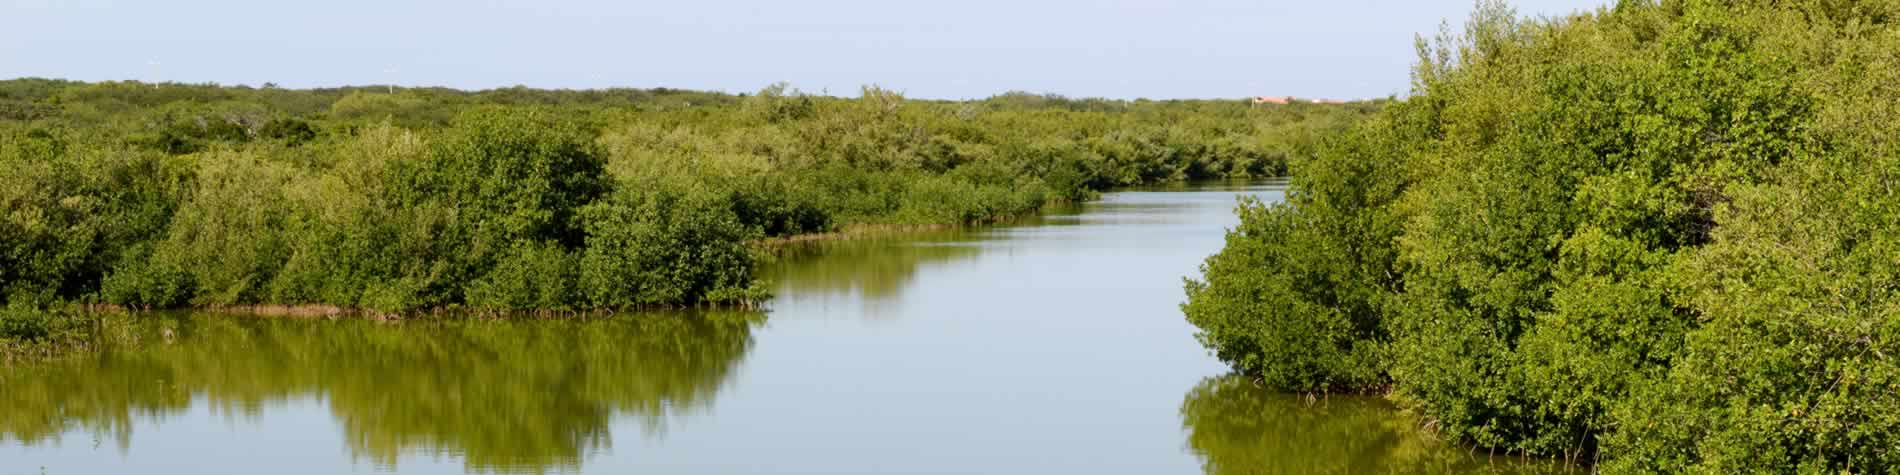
(1054,345)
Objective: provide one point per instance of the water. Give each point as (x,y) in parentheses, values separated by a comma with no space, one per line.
(1054,345)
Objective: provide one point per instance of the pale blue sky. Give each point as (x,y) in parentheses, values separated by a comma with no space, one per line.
(938,49)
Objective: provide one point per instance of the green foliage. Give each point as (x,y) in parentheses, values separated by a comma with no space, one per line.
(498,179)
(527,277)
(509,174)
(652,245)
(406,109)
(75,209)
(516,199)
(228,238)
(291,131)
(1656,233)
(1297,293)
(18,110)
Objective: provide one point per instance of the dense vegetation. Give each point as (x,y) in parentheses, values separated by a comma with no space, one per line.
(394,200)
(1663,235)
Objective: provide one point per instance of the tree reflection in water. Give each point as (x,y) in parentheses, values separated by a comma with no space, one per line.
(503,395)
(1237,427)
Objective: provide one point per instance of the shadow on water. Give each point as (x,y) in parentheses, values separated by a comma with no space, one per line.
(1237,427)
(505,396)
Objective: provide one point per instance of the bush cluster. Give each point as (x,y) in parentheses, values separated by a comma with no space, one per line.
(1661,234)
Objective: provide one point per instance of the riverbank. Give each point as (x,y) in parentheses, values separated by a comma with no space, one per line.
(37,335)
(64,329)
(857,231)
(415,200)
(56,329)
(28,336)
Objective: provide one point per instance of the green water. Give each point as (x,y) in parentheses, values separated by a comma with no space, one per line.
(1053,345)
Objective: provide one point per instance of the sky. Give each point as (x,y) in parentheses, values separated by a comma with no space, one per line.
(1345,49)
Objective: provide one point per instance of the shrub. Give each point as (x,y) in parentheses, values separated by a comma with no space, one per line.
(531,276)
(1657,233)
(653,245)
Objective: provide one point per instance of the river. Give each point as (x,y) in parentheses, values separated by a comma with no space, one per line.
(1051,345)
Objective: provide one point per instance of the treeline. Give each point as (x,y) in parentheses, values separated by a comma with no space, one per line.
(1663,235)
(397,199)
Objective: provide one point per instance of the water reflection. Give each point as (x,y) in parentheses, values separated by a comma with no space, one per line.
(503,396)
(875,267)
(1237,427)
